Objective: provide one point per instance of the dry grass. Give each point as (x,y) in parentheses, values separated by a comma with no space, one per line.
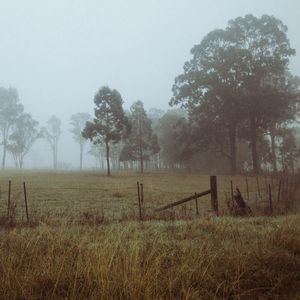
(212,258)
(76,251)
(57,195)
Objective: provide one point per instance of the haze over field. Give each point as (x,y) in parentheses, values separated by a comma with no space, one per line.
(59,53)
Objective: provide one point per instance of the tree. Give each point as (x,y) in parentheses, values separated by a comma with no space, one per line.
(208,89)
(110,123)
(166,129)
(141,143)
(24,134)
(237,78)
(10,109)
(268,49)
(78,122)
(289,152)
(52,133)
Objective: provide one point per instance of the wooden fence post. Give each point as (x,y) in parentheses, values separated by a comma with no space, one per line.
(247,189)
(196,201)
(214,194)
(8,199)
(139,200)
(26,205)
(231,190)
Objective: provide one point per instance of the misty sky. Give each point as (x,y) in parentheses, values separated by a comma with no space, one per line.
(58,53)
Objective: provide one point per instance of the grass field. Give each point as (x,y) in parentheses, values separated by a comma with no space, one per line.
(66,254)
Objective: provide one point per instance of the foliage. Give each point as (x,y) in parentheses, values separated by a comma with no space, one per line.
(24,134)
(236,83)
(141,143)
(52,133)
(10,109)
(110,123)
(78,122)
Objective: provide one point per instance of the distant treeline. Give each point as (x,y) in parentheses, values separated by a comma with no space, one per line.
(238,108)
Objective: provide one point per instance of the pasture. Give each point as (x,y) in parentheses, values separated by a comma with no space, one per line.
(84,240)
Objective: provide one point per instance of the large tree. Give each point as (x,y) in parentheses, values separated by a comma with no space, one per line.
(25,133)
(52,133)
(236,79)
(10,109)
(110,122)
(265,43)
(78,122)
(142,142)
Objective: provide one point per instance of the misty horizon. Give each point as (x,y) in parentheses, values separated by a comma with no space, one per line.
(58,54)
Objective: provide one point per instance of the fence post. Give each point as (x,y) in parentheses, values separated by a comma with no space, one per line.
(139,200)
(8,199)
(214,193)
(26,205)
(247,189)
(231,190)
(196,201)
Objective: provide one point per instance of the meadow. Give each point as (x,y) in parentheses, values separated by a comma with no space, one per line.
(84,240)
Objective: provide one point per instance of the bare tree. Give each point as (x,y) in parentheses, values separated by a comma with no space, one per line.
(52,134)
(78,122)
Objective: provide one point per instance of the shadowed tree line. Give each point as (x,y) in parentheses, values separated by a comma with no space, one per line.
(237,88)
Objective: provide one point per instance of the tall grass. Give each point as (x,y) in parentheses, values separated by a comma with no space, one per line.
(211,258)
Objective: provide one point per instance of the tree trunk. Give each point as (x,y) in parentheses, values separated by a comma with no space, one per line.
(273,151)
(4,155)
(107,158)
(80,157)
(232,146)
(253,141)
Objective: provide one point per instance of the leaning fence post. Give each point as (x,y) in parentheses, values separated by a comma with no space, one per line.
(8,199)
(214,193)
(26,205)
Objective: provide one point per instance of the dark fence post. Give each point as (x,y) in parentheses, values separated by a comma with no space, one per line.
(247,189)
(196,201)
(139,200)
(214,194)
(8,199)
(26,205)
(231,190)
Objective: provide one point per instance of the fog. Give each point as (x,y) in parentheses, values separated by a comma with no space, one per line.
(58,53)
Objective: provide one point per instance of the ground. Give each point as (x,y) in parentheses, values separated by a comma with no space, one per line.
(84,240)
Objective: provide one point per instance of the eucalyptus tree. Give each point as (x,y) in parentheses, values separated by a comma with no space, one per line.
(78,122)
(142,142)
(267,48)
(236,83)
(52,133)
(110,123)
(10,109)
(208,88)
(23,136)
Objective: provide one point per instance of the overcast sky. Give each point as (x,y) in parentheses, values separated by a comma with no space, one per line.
(58,53)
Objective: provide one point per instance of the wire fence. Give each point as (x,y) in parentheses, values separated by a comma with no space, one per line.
(260,193)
